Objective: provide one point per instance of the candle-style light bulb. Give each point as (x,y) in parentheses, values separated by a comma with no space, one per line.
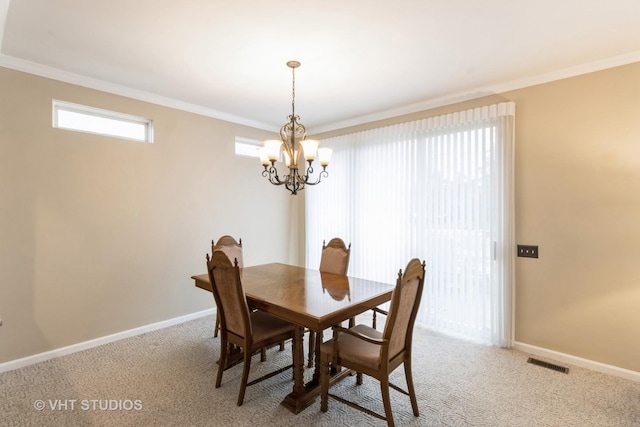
(310,147)
(272,148)
(324,156)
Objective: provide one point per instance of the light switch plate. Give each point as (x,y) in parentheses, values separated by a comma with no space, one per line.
(528,251)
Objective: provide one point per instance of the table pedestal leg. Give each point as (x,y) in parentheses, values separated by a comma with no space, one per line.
(299,398)
(303,395)
(316,372)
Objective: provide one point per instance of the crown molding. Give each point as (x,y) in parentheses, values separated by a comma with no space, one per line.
(611,62)
(101,85)
(34,68)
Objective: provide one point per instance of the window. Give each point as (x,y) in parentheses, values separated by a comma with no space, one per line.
(248,147)
(83,118)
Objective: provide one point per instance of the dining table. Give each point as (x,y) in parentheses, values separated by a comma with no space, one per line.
(309,299)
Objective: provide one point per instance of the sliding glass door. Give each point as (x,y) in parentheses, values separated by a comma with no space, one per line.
(438,189)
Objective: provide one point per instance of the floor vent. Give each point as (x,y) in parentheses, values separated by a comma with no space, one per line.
(548,365)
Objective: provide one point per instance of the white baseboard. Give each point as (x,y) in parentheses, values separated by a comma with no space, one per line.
(63,351)
(578,361)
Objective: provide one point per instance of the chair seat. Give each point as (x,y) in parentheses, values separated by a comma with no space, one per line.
(265,326)
(357,350)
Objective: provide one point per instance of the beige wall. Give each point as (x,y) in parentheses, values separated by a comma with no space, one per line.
(577,197)
(100,235)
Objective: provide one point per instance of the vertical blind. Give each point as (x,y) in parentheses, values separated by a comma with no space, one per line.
(438,189)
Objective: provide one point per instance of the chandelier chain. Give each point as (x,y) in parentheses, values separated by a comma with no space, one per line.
(293,91)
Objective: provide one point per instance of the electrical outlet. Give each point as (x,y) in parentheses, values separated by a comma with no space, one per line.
(527,251)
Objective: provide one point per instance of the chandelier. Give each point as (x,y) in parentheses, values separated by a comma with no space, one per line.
(293,135)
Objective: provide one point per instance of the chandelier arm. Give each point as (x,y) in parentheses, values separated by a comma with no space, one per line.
(292,181)
(323,174)
(271,173)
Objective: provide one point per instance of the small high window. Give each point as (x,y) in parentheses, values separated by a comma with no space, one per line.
(82,118)
(248,147)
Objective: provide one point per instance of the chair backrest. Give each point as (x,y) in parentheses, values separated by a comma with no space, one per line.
(231,301)
(335,257)
(403,310)
(231,247)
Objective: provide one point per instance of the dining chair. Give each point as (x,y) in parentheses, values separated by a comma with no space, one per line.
(333,259)
(368,351)
(239,326)
(233,250)
(231,247)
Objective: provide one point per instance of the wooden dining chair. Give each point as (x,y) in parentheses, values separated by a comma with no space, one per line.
(333,259)
(249,330)
(233,250)
(231,247)
(374,353)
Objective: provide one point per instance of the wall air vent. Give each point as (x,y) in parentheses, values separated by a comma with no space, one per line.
(548,365)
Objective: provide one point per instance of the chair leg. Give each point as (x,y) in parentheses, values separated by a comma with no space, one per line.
(359,378)
(312,348)
(217,327)
(281,345)
(373,323)
(412,392)
(384,388)
(263,354)
(324,384)
(245,375)
(222,363)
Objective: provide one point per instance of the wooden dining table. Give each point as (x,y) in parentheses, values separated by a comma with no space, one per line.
(309,299)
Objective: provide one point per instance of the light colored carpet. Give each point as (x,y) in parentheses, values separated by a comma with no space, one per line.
(166,378)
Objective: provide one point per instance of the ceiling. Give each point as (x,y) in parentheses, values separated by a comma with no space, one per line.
(362,60)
